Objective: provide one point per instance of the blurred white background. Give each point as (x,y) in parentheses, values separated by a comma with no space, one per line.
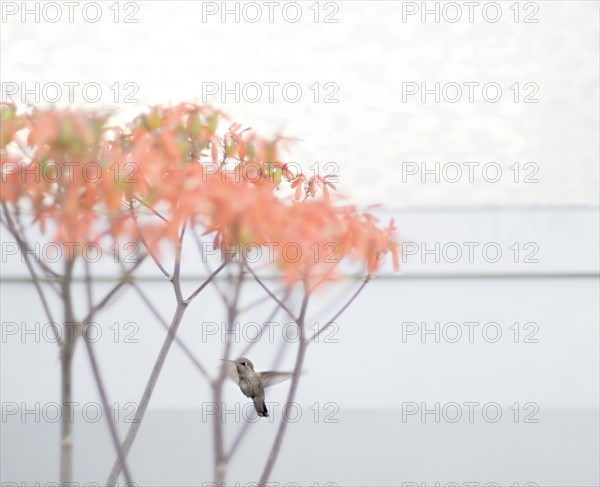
(380,137)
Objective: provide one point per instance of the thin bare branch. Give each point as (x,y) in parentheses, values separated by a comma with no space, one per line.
(302,345)
(238,440)
(177,267)
(205,283)
(106,407)
(151,384)
(243,431)
(343,308)
(23,236)
(204,260)
(66,358)
(232,312)
(35,279)
(88,285)
(257,302)
(140,201)
(124,279)
(149,248)
(270,293)
(265,324)
(163,322)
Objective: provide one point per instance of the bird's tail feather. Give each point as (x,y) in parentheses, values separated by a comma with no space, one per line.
(260,406)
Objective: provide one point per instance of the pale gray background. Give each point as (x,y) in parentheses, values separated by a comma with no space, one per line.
(370,372)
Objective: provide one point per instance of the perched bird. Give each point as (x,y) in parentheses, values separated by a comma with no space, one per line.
(252,384)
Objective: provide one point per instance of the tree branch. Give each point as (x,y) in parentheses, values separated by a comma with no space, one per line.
(178,340)
(291,394)
(205,283)
(105,405)
(148,247)
(36,281)
(232,311)
(151,209)
(343,308)
(151,384)
(143,406)
(268,291)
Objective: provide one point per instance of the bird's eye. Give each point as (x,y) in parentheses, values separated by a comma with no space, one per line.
(243,363)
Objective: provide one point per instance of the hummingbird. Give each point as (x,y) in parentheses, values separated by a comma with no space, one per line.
(252,384)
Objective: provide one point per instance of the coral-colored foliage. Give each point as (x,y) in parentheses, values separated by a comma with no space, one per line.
(91,179)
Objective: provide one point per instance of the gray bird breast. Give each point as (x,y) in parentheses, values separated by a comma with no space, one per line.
(250,386)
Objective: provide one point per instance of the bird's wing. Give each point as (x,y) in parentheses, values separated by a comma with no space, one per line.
(272,378)
(232,372)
